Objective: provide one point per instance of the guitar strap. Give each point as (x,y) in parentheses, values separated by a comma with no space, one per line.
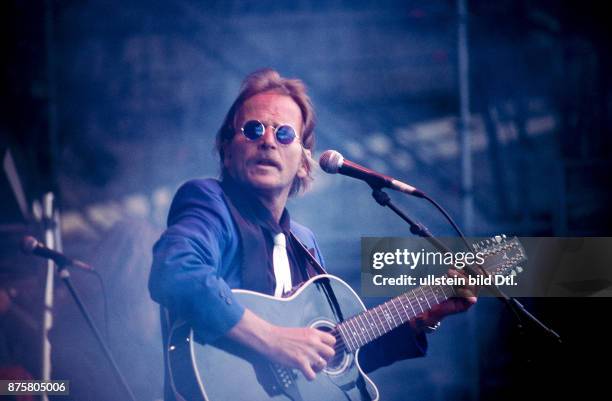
(314,263)
(316,266)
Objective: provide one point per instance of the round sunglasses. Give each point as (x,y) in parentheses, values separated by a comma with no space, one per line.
(255,129)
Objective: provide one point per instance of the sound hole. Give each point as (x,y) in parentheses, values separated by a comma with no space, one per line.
(340,360)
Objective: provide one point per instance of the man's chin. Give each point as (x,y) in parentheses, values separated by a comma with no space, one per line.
(264,183)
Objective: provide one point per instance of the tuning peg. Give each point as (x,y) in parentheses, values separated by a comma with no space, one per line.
(513,273)
(519,269)
(504,236)
(498,239)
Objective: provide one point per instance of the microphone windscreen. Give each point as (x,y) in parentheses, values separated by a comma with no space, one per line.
(331,161)
(28,244)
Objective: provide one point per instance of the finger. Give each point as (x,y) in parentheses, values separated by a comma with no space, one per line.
(307,370)
(469,301)
(455,273)
(466,293)
(327,338)
(460,305)
(326,352)
(319,364)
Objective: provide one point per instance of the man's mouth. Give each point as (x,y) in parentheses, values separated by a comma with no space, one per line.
(264,161)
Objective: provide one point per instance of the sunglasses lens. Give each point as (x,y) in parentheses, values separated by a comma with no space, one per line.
(285,134)
(253,129)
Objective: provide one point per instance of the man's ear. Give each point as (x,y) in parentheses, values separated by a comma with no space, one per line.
(306,162)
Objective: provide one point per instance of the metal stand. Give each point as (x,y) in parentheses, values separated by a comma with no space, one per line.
(51,241)
(65,276)
(383,199)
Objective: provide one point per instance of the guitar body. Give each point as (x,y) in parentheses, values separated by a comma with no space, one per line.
(227,371)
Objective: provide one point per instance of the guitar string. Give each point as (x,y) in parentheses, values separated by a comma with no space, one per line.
(359,338)
(356,338)
(389,316)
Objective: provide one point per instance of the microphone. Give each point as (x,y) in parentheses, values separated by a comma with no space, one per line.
(333,162)
(32,246)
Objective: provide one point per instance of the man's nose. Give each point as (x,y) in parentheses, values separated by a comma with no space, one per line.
(268,139)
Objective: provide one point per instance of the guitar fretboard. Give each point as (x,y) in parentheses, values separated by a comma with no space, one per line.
(501,257)
(373,323)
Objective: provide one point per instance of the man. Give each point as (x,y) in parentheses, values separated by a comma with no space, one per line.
(227,234)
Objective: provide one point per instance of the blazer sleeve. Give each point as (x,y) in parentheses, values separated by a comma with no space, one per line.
(187,259)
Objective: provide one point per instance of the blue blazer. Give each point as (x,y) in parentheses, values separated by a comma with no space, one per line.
(197,261)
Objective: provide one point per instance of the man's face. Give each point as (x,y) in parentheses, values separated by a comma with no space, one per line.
(264,164)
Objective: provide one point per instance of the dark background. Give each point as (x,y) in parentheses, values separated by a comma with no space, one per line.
(112,105)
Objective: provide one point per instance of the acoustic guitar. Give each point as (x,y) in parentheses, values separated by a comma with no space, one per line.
(227,371)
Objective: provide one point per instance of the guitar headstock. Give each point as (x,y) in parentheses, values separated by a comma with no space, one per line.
(502,256)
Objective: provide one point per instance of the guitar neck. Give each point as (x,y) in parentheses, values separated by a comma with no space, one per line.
(373,323)
(501,256)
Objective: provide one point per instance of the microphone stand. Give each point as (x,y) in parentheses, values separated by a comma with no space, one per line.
(416,228)
(65,276)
